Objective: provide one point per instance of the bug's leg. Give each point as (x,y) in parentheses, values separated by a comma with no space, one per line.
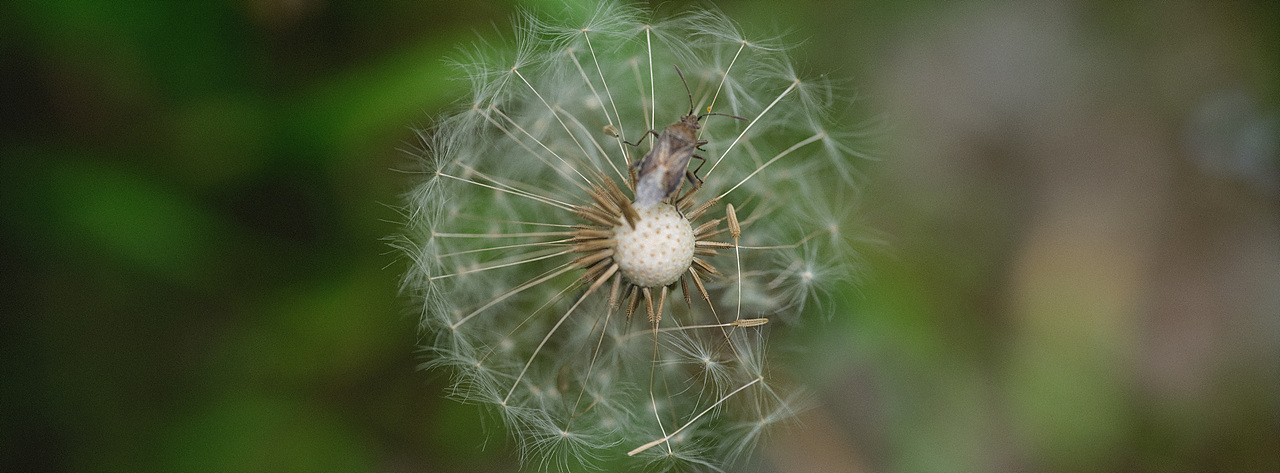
(700,143)
(646,135)
(634,168)
(693,180)
(695,183)
(692,176)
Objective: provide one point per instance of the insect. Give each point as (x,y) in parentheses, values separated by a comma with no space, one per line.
(662,169)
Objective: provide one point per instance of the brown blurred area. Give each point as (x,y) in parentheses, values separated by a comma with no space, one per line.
(1084,200)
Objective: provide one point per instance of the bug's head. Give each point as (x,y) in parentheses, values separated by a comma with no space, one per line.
(691,120)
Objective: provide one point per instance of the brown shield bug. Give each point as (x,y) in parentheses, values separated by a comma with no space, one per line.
(662,169)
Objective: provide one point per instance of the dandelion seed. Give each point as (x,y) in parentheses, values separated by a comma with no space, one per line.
(531,247)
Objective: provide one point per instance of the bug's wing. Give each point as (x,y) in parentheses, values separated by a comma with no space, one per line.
(651,182)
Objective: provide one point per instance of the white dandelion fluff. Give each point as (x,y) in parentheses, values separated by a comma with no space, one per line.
(563,208)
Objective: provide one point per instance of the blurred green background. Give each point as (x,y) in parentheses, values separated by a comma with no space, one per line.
(1076,204)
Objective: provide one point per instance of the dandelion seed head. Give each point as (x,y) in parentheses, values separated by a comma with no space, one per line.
(658,250)
(587,317)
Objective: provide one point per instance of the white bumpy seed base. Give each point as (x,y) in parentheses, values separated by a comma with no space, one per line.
(658,250)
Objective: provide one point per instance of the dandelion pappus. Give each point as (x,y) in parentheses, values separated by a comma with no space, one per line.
(660,173)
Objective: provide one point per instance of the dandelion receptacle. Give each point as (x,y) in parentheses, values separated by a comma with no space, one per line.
(605,329)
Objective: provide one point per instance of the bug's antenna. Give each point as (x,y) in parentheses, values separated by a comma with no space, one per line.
(686,87)
(700,117)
